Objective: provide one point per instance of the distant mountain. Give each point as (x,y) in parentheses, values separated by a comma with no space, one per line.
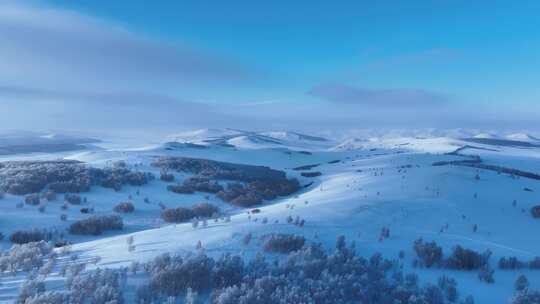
(251,140)
(523,137)
(351,144)
(485,136)
(294,136)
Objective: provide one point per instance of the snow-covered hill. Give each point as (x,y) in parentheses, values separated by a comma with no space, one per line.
(251,140)
(364,186)
(523,137)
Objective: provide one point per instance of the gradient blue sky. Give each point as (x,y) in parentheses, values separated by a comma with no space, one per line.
(390,57)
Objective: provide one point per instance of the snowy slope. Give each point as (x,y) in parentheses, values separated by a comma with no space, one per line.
(523,137)
(251,140)
(383,182)
(343,201)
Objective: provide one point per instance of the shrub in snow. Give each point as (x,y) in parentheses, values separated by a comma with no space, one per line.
(24,257)
(429,253)
(73,199)
(28,236)
(535,211)
(130,242)
(526,297)
(102,286)
(467,259)
(48,297)
(32,199)
(202,184)
(182,189)
(233,190)
(192,272)
(228,271)
(449,288)
(119,164)
(125,207)
(87,210)
(246,200)
(535,263)
(290,219)
(311,174)
(177,215)
(204,210)
(510,263)
(95,225)
(283,243)
(30,289)
(50,195)
(521,283)
(385,233)
(166,177)
(486,274)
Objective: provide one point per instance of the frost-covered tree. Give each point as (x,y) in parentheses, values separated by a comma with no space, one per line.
(449,287)
(486,274)
(124,207)
(283,243)
(95,225)
(307,275)
(429,253)
(30,289)
(48,297)
(521,283)
(526,297)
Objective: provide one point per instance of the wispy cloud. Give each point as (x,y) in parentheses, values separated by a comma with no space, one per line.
(345,94)
(62,69)
(58,48)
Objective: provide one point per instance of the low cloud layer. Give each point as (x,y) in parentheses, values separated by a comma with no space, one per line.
(345,94)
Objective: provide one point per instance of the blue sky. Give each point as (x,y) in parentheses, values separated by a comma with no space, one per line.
(333,58)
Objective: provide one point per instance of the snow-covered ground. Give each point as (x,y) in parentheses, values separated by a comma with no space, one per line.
(377,182)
